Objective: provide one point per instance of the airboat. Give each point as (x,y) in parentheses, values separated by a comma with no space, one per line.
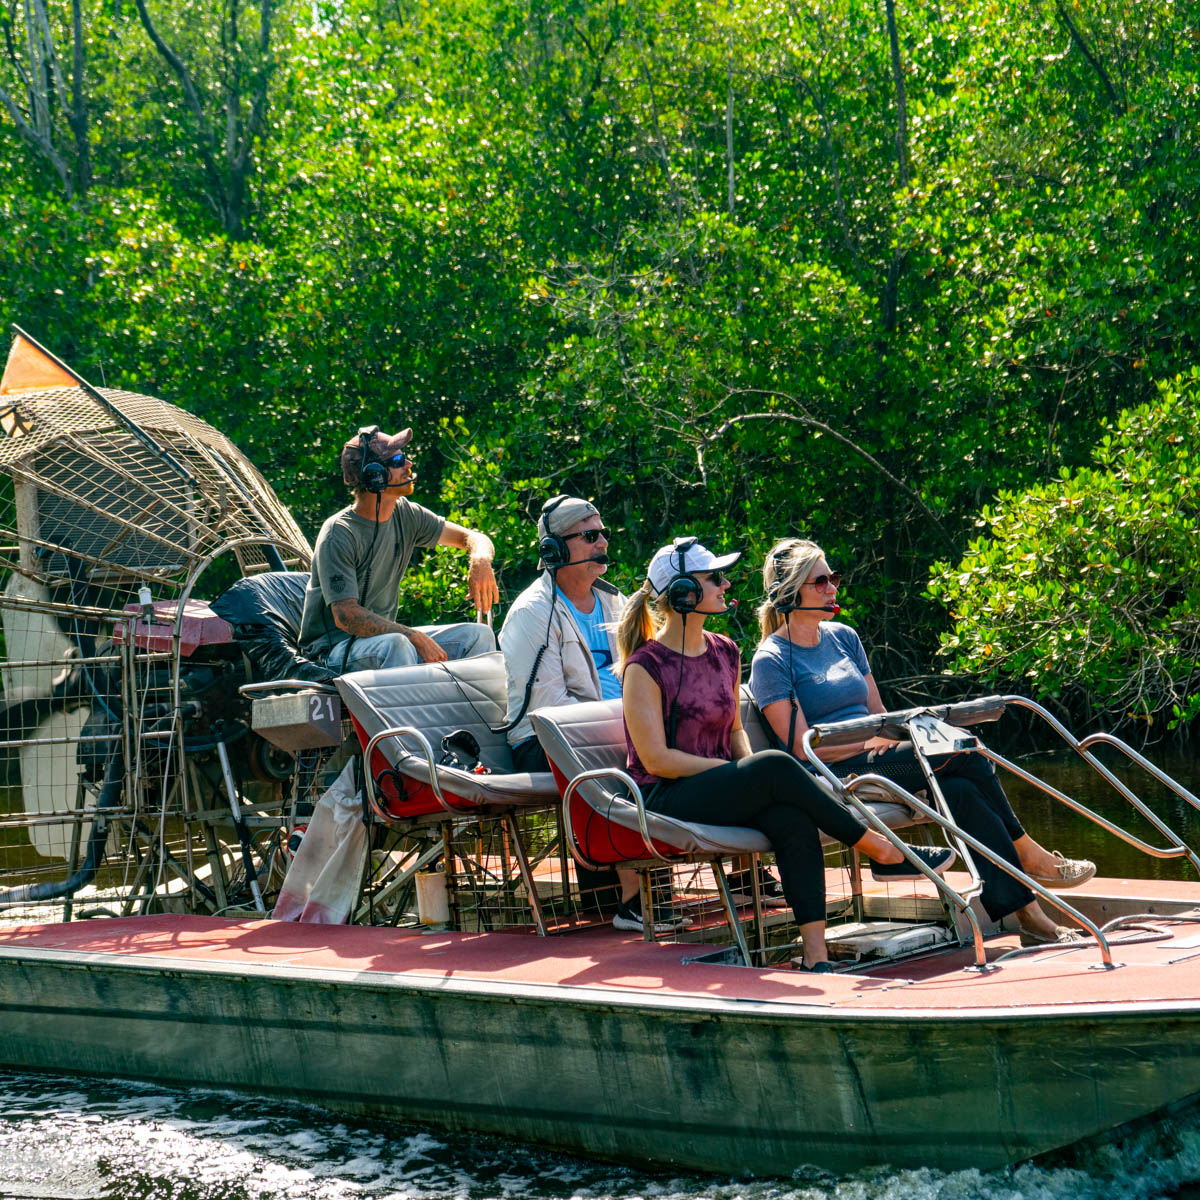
(167,747)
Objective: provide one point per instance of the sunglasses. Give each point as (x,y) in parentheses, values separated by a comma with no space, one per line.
(591,536)
(399,459)
(717,578)
(834,577)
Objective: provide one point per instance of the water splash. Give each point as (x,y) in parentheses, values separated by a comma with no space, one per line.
(61,1139)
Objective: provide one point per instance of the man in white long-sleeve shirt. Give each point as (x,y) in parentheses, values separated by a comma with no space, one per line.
(559,637)
(560,645)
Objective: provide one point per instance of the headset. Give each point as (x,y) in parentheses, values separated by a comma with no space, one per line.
(784,608)
(684,590)
(552,547)
(372,476)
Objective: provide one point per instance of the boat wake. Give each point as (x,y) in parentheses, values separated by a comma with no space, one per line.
(66,1139)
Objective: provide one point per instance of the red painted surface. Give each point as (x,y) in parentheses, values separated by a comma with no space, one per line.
(418,799)
(602,841)
(1164,969)
(200,627)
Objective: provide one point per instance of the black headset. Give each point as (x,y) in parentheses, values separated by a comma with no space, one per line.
(785,607)
(372,476)
(684,591)
(552,547)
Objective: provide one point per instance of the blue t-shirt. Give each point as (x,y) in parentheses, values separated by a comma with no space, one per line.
(591,625)
(829,679)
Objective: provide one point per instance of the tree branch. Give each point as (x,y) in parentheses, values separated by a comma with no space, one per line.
(813,423)
(38,141)
(1082,46)
(191,96)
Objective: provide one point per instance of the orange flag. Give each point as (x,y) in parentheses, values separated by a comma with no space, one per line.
(29,369)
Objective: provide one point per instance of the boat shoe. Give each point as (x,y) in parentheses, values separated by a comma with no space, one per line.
(936,858)
(741,888)
(1071,873)
(1064,935)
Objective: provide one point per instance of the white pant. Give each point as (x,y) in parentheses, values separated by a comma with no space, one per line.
(395,650)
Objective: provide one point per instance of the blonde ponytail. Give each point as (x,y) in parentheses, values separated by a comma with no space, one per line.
(638,624)
(784,572)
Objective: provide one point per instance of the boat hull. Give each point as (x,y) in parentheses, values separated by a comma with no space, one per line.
(694,1082)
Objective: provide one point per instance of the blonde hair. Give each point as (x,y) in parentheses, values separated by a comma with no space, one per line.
(640,620)
(785,570)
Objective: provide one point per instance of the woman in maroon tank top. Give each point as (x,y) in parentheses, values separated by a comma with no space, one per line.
(689,754)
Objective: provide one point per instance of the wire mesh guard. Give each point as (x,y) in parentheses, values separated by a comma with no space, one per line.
(485,887)
(132,781)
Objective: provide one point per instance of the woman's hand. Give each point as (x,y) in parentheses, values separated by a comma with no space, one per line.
(879,745)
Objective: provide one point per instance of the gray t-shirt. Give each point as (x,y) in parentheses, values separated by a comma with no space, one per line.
(829,679)
(346,567)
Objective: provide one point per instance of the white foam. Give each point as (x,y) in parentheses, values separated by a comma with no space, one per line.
(54,1133)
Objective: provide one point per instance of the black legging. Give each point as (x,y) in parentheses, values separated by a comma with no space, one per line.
(770,792)
(976,801)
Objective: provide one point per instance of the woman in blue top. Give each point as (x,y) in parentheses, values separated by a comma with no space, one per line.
(809,669)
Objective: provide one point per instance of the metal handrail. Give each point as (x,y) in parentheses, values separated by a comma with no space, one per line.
(849,787)
(889,724)
(814,737)
(975,844)
(290,685)
(400,731)
(623,777)
(1082,748)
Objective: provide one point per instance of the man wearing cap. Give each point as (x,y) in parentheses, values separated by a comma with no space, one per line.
(570,611)
(361,555)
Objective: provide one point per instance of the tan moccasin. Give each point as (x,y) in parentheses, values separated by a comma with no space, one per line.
(1064,935)
(1071,873)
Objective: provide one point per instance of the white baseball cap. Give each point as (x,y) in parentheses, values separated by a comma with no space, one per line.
(666,563)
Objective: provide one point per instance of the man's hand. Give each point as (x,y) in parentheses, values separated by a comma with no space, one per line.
(426,647)
(481,584)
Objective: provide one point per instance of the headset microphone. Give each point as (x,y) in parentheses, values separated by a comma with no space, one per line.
(829,608)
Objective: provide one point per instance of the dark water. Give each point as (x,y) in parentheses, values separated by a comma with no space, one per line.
(85,1140)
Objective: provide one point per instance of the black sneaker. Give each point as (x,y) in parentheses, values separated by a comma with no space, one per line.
(770,889)
(936,858)
(629,917)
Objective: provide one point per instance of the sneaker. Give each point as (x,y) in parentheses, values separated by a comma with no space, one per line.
(629,917)
(1071,873)
(741,888)
(936,858)
(824,967)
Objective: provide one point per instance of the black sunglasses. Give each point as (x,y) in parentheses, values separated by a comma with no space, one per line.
(399,459)
(591,536)
(718,578)
(834,577)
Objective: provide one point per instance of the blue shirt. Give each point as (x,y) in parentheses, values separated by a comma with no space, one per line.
(829,679)
(591,625)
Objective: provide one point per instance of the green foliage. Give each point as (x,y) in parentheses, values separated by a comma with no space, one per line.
(1085,589)
(659,254)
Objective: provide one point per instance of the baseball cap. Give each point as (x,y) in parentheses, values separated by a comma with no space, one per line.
(564,511)
(665,565)
(383,446)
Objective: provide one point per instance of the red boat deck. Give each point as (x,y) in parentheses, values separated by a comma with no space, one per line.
(1159,967)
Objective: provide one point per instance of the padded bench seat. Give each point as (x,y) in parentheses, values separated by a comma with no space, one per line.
(437,699)
(604,820)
